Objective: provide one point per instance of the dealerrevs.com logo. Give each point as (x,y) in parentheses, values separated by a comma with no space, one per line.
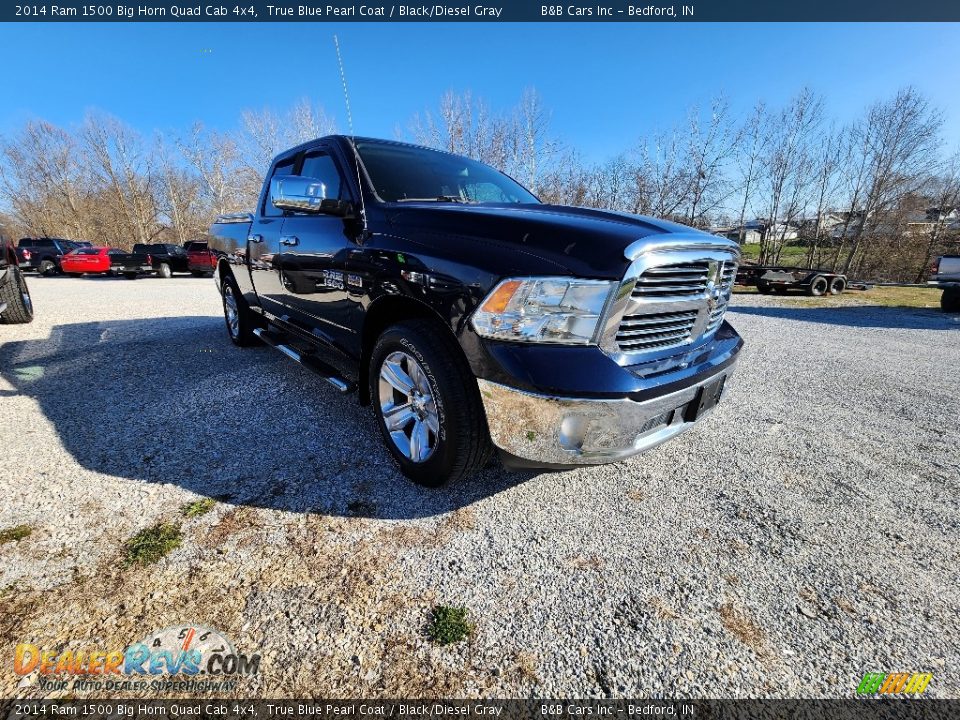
(203,659)
(894,683)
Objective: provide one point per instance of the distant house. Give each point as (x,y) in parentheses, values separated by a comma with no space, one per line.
(755,230)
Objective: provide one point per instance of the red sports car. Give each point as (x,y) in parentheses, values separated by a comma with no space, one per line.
(94,260)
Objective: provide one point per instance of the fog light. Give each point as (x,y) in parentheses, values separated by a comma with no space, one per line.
(573,431)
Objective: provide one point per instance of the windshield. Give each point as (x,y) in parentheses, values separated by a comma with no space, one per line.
(402,173)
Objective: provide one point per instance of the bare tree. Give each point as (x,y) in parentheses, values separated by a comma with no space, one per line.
(787,165)
(748,158)
(899,139)
(224,185)
(179,195)
(943,192)
(709,148)
(123,168)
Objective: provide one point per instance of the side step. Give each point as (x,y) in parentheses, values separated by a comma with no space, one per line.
(318,366)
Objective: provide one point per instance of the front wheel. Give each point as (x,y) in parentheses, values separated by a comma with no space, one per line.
(427,404)
(16,295)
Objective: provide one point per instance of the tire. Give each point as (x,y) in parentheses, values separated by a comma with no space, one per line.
(818,286)
(130,276)
(950,300)
(47,267)
(779,290)
(764,289)
(237,316)
(15,293)
(164,271)
(838,285)
(422,361)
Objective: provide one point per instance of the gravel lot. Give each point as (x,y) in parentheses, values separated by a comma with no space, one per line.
(807,532)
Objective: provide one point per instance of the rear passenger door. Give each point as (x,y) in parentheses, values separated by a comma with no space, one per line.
(313,252)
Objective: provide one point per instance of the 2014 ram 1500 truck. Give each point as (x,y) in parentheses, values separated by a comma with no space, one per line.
(471,316)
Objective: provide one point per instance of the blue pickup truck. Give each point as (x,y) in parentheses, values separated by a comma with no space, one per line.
(474,318)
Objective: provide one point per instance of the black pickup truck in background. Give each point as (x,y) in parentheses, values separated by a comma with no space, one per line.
(43,254)
(472,317)
(162,258)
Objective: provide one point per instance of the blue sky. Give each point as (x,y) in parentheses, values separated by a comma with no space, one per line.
(606,84)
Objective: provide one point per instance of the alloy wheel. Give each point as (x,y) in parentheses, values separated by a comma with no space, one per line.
(408,407)
(231,311)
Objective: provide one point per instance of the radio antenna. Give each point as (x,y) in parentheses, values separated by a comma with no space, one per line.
(353,137)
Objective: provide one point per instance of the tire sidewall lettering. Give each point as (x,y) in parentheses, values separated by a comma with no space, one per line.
(434,385)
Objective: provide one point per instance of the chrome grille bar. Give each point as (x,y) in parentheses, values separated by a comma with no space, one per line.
(673,294)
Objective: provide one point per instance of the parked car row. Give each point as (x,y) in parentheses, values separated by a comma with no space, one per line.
(49,256)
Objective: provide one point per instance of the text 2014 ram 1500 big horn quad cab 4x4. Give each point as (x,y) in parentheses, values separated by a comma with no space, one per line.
(473,317)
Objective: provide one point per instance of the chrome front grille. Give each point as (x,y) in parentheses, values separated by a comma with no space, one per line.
(676,299)
(686,279)
(647,332)
(727,275)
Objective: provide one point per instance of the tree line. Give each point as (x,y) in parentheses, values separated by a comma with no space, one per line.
(875,197)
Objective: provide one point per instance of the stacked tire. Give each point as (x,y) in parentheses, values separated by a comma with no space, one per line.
(15,297)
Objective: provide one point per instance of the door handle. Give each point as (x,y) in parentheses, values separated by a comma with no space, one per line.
(289,240)
(255,239)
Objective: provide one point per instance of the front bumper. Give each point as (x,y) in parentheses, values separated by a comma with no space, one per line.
(550,431)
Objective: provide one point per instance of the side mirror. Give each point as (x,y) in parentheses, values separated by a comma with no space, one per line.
(304,194)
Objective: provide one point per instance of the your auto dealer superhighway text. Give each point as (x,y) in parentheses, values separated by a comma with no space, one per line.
(425,11)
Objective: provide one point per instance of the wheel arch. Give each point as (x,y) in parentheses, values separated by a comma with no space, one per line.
(382,313)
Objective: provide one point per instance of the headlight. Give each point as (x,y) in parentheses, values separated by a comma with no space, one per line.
(543,310)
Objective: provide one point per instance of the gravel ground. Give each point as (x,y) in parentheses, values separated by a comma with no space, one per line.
(807,532)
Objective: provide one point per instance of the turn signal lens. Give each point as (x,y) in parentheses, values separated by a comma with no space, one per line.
(498,300)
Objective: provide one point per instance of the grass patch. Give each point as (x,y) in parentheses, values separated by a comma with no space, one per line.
(148,546)
(885,296)
(197,507)
(789,254)
(449,625)
(15,534)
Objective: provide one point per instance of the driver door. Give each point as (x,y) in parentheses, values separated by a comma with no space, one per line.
(313,255)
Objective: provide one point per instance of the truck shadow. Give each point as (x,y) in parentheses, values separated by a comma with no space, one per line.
(170,400)
(863,316)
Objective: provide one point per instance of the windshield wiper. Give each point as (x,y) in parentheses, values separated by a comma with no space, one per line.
(439,198)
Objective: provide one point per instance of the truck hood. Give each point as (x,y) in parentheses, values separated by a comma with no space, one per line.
(582,241)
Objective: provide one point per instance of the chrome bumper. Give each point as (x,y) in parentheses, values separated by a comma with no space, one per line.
(577,431)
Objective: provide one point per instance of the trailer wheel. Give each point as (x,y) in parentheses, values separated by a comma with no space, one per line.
(838,285)
(780,289)
(950,300)
(764,289)
(818,286)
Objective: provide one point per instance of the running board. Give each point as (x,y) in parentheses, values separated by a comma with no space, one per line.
(318,366)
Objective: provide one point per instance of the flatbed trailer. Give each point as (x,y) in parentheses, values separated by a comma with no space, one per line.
(779,279)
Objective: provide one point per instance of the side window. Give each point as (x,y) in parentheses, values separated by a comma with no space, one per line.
(320,166)
(284,167)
